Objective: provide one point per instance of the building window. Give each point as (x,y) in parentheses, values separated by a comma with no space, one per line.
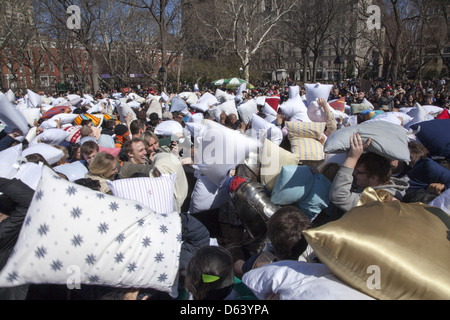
(45,82)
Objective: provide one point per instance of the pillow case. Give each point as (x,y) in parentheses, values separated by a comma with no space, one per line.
(73,171)
(316,113)
(426,172)
(91,240)
(316,91)
(434,136)
(51,136)
(247,110)
(318,197)
(296,280)
(55,111)
(304,138)
(207,195)
(34,100)
(294,107)
(11,116)
(205,102)
(338,104)
(390,263)
(154,193)
(74,134)
(262,127)
(51,154)
(273,159)
(293,183)
(177,104)
(169,128)
(10,161)
(31,114)
(388,139)
(97,121)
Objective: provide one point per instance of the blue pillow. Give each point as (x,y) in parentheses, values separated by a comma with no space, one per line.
(434,135)
(293,183)
(426,172)
(318,197)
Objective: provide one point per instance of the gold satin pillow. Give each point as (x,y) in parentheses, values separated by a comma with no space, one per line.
(390,251)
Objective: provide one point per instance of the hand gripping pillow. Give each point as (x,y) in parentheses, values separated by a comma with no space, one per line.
(273,159)
(389,140)
(316,91)
(229,107)
(316,113)
(154,193)
(102,240)
(124,110)
(390,251)
(294,106)
(31,114)
(11,116)
(304,138)
(434,135)
(296,280)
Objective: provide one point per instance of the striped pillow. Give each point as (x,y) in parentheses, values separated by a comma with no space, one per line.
(97,121)
(305,139)
(154,193)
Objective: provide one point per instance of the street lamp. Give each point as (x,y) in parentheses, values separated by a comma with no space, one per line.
(241,71)
(338,63)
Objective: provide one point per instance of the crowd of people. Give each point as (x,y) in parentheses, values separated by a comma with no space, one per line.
(111,142)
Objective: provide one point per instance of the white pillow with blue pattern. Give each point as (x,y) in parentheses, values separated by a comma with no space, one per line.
(74,235)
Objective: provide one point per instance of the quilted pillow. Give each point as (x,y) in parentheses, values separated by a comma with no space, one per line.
(304,138)
(390,263)
(11,116)
(389,140)
(296,280)
(102,240)
(273,159)
(434,135)
(293,183)
(154,193)
(316,91)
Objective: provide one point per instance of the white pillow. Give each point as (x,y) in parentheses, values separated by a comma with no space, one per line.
(169,128)
(442,202)
(316,91)
(223,97)
(205,102)
(154,193)
(10,161)
(30,173)
(219,150)
(316,112)
(263,127)
(34,100)
(418,114)
(433,110)
(207,195)
(247,110)
(11,116)
(51,136)
(124,110)
(106,141)
(51,154)
(296,280)
(31,114)
(65,118)
(73,171)
(74,235)
(229,107)
(154,107)
(59,102)
(11,96)
(294,108)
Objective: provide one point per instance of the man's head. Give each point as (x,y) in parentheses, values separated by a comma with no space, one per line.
(137,127)
(372,170)
(151,141)
(285,231)
(136,151)
(89,150)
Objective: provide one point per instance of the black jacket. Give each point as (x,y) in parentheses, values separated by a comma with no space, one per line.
(14,202)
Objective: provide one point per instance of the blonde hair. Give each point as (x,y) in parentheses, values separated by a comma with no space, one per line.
(101,165)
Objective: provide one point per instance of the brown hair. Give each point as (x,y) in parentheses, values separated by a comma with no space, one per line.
(285,231)
(417,151)
(101,165)
(376,165)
